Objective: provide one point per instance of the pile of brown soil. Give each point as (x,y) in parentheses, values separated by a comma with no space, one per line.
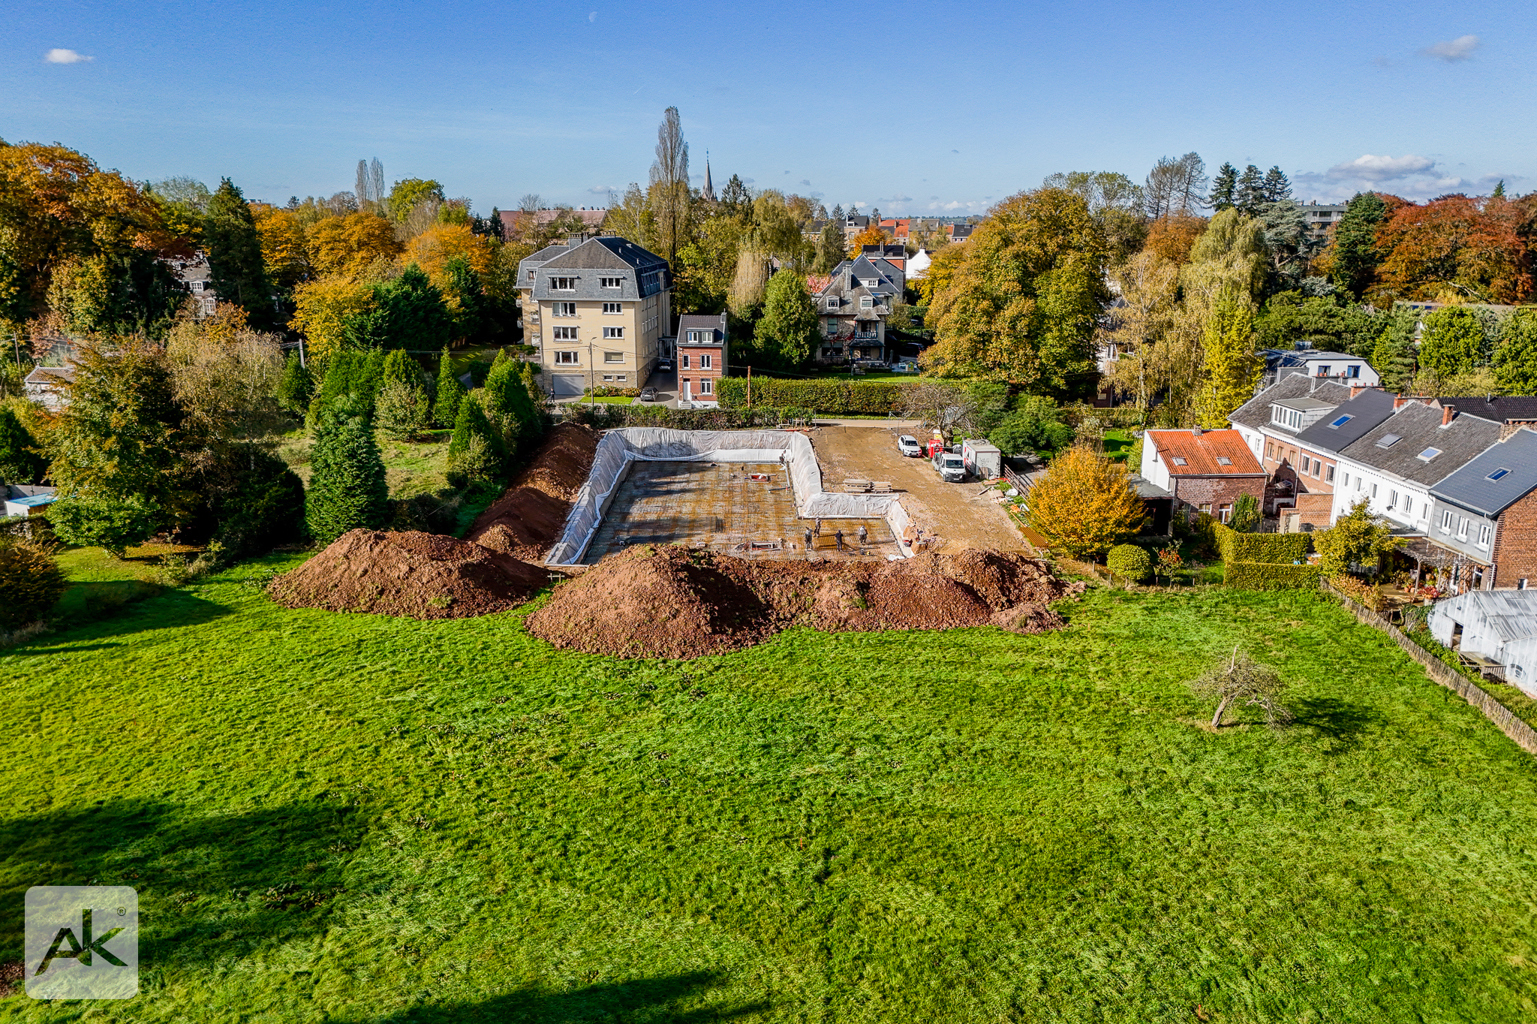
(669,602)
(419,575)
(525,521)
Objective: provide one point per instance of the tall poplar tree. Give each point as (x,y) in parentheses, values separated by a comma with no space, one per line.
(1231,368)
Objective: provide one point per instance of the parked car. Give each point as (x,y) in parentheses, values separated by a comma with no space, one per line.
(648,394)
(908,445)
(664,366)
(951,467)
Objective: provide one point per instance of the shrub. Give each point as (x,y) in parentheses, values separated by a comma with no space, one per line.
(1130,562)
(295,387)
(1246,514)
(111,524)
(1085,505)
(401,411)
(610,391)
(445,412)
(30,580)
(1360,592)
(265,510)
(347,487)
(19,462)
(1272,576)
(828,396)
(1278,548)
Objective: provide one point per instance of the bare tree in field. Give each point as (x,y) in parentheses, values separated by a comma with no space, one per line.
(1176,185)
(1241,680)
(942,407)
(669,183)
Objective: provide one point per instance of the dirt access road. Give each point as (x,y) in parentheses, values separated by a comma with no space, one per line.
(954,511)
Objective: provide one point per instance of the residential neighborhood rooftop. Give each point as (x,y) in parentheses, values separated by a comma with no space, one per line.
(1352,418)
(1496,478)
(1397,444)
(1205,453)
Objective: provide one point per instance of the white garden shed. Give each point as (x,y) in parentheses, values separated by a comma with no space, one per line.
(1500,625)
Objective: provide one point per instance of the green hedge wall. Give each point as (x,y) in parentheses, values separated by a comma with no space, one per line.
(829,397)
(1270,576)
(1276,548)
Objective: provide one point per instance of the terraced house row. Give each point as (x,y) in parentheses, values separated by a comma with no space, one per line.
(1456,477)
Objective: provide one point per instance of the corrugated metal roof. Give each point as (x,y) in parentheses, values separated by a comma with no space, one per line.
(1471,486)
(1508,614)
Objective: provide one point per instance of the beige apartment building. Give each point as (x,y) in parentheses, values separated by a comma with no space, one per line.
(596,311)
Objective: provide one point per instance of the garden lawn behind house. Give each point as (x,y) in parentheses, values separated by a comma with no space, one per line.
(363,819)
(411,467)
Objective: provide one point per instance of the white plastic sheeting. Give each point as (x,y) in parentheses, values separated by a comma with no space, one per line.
(619,448)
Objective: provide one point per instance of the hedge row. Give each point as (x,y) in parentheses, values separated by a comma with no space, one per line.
(1276,548)
(828,397)
(605,417)
(1271,576)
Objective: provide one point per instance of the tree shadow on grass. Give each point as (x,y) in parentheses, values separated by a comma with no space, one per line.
(1343,723)
(121,608)
(209,885)
(648,1000)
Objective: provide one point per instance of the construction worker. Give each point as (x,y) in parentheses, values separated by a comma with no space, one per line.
(818,529)
(864,535)
(808,538)
(839,538)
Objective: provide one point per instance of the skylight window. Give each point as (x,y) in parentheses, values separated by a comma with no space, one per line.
(1223,460)
(1388,440)
(1179,460)
(1497,474)
(1428,454)
(1341,421)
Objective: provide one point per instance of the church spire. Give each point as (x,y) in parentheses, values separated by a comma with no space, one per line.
(708,192)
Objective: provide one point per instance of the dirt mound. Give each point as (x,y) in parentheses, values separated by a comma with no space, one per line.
(669,602)
(527,518)
(419,575)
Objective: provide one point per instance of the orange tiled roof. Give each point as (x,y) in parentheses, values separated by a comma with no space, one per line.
(1201,452)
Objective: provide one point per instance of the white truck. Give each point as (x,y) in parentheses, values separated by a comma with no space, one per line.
(950,466)
(983,460)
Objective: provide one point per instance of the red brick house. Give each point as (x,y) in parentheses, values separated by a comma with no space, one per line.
(1204,470)
(701,355)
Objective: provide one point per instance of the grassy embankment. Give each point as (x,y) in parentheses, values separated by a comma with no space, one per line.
(382,820)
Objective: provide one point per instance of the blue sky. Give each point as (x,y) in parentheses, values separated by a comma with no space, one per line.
(908,107)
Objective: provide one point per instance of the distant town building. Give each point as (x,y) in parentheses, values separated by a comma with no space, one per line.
(1339,366)
(596,311)
(854,302)
(197,280)
(1321,219)
(513,221)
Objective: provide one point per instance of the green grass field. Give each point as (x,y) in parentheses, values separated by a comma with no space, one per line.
(361,819)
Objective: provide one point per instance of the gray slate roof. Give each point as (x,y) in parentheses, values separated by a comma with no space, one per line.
(643,273)
(1499,408)
(1419,427)
(1471,487)
(1255,413)
(1366,410)
(716,325)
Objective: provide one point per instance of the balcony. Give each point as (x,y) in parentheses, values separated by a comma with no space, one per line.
(867,335)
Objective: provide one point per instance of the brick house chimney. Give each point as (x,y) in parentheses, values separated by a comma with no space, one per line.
(1399,401)
(1356,387)
(1447,412)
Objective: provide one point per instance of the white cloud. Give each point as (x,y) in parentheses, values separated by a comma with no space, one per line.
(600,190)
(900,198)
(592,17)
(806,182)
(65,57)
(1381,168)
(1453,50)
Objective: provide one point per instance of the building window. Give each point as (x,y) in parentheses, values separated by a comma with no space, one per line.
(865,302)
(567,358)
(1206,508)
(613,357)
(1392,498)
(1323,371)
(613,307)
(608,282)
(706,386)
(696,336)
(621,377)
(1462,527)
(1353,371)
(1329,475)
(530,275)
(1224,512)
(564,333)
(1270,449)
(563,309)
(1483,536)
(1374,490)
(706,361)
(832,302)
(832,327)
(1446,521)
(613,334)
(683,360)
(562,284)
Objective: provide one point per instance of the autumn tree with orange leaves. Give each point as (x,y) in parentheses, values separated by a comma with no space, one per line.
(1467,248)
(1085,505)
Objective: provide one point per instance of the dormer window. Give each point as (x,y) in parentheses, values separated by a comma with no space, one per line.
(562,284)
(1223,460)
(608,282)
(866,302)
(832,302)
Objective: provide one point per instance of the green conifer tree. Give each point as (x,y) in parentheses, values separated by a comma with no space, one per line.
(401,368)
(1276,186)
(235,255)
(1355,243)
(1249,196)
(1224,188)
(1394,355)
(1453,342)
(445,411)
(476,452)
(296,387)
(347,485)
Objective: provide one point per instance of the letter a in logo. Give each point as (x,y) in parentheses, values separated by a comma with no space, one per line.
(66,959)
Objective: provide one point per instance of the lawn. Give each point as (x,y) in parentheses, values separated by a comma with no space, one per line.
(361,819)
(411,467)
